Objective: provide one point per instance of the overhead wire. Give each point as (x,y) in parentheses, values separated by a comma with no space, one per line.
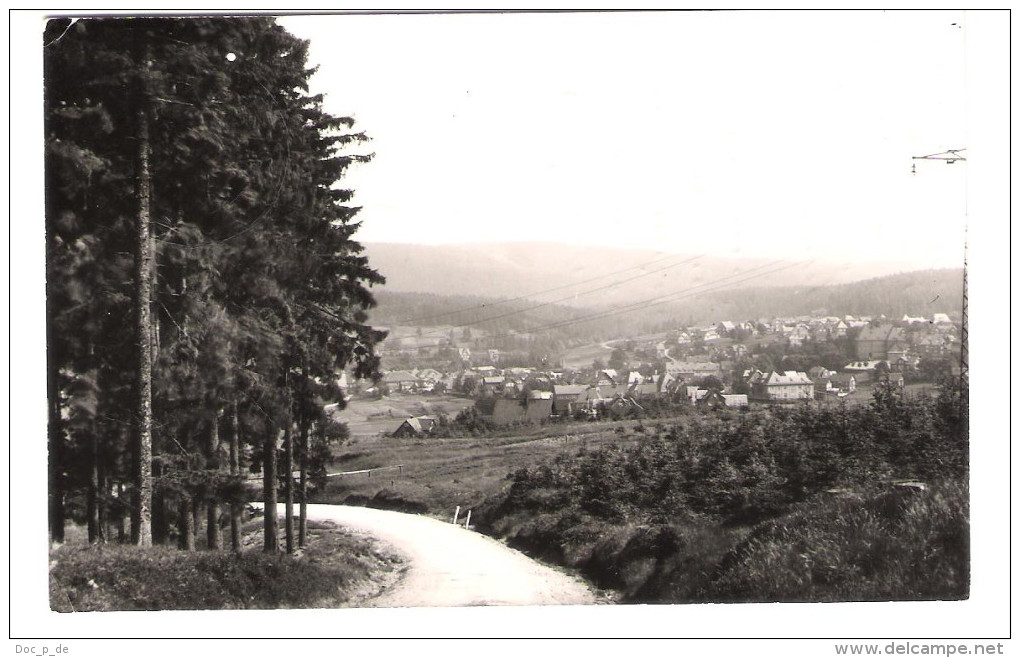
(415,320)
(561,299)
(712,286)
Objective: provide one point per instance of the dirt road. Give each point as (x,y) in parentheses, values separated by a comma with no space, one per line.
(450,566)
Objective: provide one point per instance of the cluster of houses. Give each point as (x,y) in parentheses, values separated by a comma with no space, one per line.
(693,366)
(423,380)
(903,344)
(937,333)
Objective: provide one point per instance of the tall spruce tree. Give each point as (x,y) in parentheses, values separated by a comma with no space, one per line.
(257,286)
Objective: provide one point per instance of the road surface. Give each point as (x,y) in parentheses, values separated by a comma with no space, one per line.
(450,566)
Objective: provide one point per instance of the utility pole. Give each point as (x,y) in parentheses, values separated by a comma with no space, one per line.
(951,156)
(964,356)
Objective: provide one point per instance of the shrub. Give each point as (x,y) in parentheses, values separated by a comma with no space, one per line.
(891,546)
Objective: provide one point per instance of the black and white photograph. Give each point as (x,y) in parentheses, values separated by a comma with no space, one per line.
(550,324)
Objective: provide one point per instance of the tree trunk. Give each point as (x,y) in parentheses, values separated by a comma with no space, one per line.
(56,431)
(160,513)
(122,532)
(288,485)
(303,487)
(54,428)
(92,497)
(235,470)
(212,523)
(271,540)
(102,510)
(196,516)
(141,508)
(185,527)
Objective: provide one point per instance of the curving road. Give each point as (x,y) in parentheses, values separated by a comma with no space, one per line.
(450,566)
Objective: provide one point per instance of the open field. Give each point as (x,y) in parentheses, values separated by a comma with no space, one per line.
(370,417)
(433,336)
(582,356)
(437,474)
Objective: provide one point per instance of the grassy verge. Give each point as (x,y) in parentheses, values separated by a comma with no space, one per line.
(334,570)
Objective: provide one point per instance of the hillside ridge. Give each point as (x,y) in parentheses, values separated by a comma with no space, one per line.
(594,276)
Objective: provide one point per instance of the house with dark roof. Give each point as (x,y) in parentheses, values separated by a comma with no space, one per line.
(820,372)
(612,391)
(645,391)
(874,342)
(568,398)
(401,380)
(503,411)
(841,384)
(416,427)
(493,385)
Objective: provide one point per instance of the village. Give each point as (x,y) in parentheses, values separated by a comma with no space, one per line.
(815,359)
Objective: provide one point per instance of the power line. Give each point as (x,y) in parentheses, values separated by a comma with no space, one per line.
(665,299)
(534,294)
(562,299)
(712,286)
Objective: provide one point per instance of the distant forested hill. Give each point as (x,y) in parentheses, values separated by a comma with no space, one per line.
(576,275)
(488,313)
(914,293)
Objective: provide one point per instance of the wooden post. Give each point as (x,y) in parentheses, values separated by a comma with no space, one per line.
(467,522)
(456,513)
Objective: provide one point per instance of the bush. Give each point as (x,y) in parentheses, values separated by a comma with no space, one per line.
(891,546)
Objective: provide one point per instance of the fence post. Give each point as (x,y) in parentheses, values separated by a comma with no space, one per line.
(456,513)
(467,522)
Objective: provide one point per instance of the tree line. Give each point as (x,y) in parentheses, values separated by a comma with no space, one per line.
(203,285)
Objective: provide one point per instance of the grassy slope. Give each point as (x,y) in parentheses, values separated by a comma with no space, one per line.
(440,474)
(335,569)
(883,546)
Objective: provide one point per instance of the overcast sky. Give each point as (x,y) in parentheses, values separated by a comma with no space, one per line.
(771,134)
